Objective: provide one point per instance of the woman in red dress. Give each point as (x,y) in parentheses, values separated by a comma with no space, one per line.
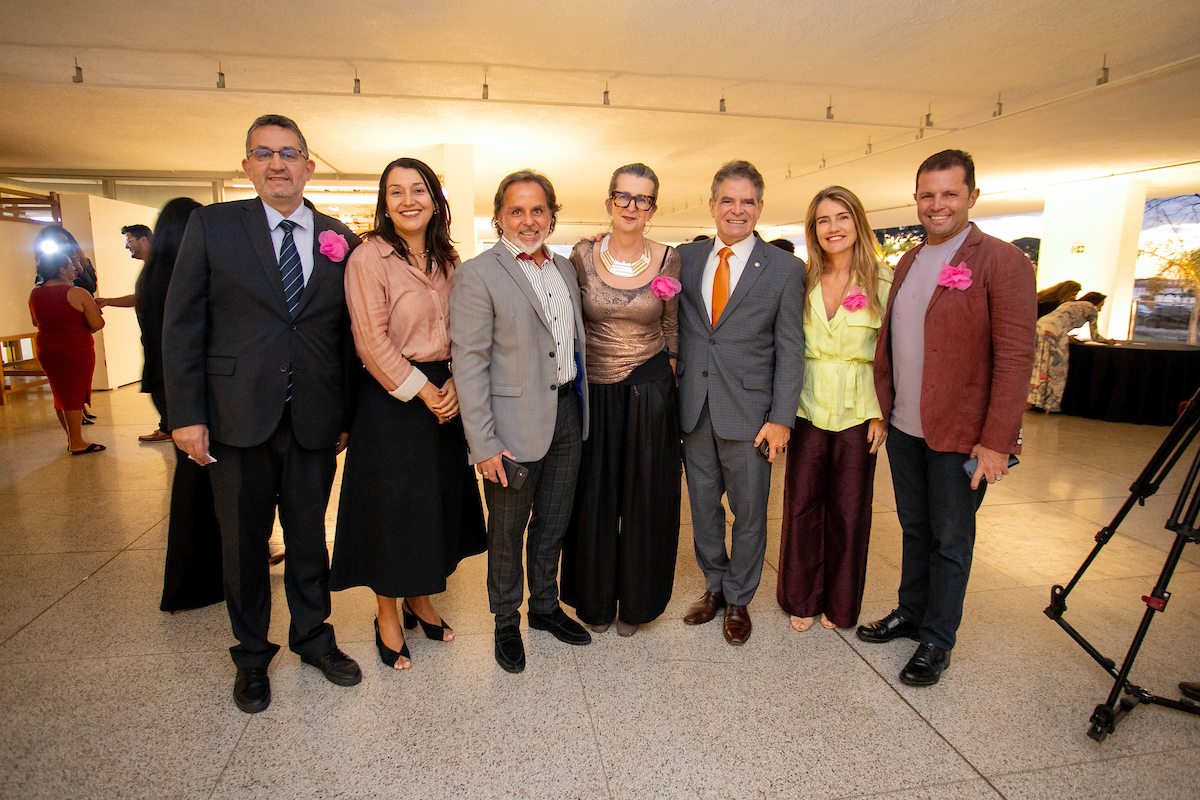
(66,316)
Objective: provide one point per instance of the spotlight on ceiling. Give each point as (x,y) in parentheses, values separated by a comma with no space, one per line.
(829,108)
(357,85)
(220,77)
(78,76)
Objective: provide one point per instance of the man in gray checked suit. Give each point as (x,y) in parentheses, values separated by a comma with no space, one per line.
(740,368)
(516,333)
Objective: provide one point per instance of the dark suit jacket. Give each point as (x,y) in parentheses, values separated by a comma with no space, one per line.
(751,366)
(978,349)
(229,342)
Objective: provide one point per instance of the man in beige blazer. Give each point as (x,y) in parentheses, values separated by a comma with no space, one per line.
(516,333)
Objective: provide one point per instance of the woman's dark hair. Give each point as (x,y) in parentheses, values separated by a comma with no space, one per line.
(1095,298)
(50,265)
(437,235)
(53,232)
(164,248)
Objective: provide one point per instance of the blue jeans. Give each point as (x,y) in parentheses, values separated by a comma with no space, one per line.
(936,507)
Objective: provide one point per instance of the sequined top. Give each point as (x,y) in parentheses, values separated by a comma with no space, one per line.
(624,327)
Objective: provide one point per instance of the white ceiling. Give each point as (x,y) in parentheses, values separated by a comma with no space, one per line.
(149,106)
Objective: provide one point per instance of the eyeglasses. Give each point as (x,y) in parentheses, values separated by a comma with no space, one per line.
(263,155)
(640,201)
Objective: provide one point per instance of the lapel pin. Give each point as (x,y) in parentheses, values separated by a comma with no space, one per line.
(757,265)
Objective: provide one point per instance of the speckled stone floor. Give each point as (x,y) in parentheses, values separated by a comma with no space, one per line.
(102,695)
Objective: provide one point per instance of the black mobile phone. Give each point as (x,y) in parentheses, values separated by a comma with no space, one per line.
(972,464)
(764,447)
(515,473)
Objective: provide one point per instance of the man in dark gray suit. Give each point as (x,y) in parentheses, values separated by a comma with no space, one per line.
(258,362)
(740,368)
(516,333)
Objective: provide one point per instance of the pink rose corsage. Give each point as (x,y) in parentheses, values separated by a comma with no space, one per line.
(855,300)
(665,286)
(333,245)
(955,277)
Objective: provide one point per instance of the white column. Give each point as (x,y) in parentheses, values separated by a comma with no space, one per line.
(1090,234)
(458,179)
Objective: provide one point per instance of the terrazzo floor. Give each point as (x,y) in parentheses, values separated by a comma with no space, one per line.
(102,695)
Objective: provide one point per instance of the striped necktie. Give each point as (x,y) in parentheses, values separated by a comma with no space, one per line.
(289,267)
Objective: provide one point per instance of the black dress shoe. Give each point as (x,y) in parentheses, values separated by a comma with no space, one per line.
(337,667)
(926,665)
(560,626)
(510,650)
(893,626)
(252,689)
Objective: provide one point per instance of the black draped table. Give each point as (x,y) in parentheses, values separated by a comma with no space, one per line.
(1130,381)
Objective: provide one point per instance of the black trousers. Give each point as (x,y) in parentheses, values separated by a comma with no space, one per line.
(544,502)
(158,395)
(248,484)
(936,507)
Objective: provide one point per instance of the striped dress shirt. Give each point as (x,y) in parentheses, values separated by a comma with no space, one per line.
(551,290)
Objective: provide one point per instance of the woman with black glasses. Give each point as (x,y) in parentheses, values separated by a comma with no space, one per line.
(619,554)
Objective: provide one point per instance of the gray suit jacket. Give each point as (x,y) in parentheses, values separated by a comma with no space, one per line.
(750,368)
(504,357)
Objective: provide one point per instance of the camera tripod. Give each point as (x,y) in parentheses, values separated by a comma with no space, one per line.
(1183,522)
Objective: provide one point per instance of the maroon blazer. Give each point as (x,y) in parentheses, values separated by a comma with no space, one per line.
(978,349)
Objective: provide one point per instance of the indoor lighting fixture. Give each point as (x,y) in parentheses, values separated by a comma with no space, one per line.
(868,146)
(1103,79)
(78,76)
(485,87)
(722,104)
(929,117)
(220,77)
(606,93)
(829,108)
(999,106)
(357,85)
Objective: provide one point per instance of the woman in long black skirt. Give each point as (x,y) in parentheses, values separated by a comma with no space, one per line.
(619,551)
(410,508)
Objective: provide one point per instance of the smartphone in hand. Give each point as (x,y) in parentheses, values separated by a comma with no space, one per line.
(515,472)
(972,464)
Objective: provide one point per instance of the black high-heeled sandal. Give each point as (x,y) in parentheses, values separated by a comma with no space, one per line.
(386,654)
(435,632)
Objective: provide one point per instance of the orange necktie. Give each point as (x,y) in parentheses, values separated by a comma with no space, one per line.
(720,294)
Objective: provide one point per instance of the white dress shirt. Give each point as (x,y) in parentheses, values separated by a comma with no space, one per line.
(302,235)
(737,263)
(551,289)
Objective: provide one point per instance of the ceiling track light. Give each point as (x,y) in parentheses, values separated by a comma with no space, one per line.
(829,108)
(357,85)
(929,117)
(606,93)
(220,77)
(485,86)
(869,148)
(999,105)
(78,76)
(1103,79)
(722,103)
(920,129)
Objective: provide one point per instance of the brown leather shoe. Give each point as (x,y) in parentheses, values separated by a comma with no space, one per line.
(737,624)
(704,609)
(153,438)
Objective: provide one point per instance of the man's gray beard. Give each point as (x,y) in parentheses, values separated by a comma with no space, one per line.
(531,249)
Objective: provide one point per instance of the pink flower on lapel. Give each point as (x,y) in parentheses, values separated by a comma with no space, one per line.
(955,277)
(333,245)
(665,286)
(855,299)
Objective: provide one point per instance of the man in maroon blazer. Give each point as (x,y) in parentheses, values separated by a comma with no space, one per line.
(952,371)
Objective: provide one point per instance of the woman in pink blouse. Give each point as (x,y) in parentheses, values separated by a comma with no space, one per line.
(409,508)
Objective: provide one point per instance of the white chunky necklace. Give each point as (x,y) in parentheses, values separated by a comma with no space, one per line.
(625,269)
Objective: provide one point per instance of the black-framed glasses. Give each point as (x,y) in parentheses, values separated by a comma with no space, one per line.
(263,155)
(640,201)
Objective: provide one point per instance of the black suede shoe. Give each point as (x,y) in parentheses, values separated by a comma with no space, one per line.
(510,650)
(893,626)
(252,689)
(560,626)
(337,667)
(926,665)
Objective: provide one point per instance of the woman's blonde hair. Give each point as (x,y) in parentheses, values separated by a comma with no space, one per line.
(864,261)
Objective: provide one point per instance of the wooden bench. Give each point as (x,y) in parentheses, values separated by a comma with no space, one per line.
(17,366)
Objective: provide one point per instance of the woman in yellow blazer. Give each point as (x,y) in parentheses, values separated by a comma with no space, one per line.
(828,485)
